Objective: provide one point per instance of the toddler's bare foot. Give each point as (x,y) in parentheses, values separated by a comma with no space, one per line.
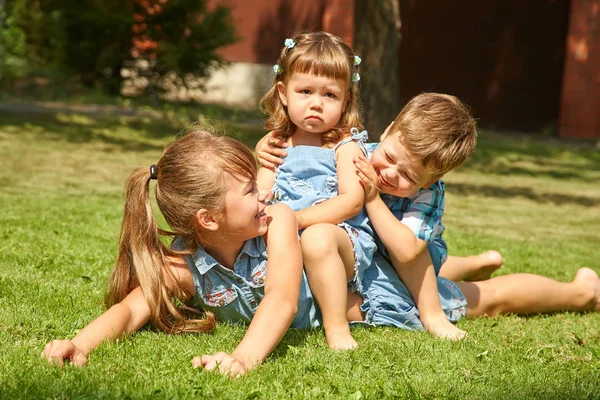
(487,262)
(340,338)
(444,329)
(589,280)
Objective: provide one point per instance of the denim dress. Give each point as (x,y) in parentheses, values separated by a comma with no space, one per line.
(234,295)
(308,176)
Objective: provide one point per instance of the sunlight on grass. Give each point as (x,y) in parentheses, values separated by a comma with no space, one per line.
(62,180)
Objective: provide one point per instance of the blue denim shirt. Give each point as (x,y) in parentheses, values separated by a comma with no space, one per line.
(234,296)
(422,213)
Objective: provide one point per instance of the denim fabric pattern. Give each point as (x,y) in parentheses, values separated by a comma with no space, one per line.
(316,167)
(234,296)
(422,213)
(387,301)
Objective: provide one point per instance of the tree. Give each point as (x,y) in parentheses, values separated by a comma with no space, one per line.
(377,40)
(94,39)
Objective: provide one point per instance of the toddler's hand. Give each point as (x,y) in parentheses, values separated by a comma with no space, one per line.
(269,151)
(58,351)
(368,178)
(227,364)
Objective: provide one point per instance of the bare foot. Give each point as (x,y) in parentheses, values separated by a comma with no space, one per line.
(340,338)
(588,279)
(444,329)
(487,263)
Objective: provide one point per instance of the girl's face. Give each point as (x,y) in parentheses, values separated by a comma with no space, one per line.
(244,214)
(314,103)
(398,173)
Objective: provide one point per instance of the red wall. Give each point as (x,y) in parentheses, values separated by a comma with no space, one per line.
(580,106)
(264,25)
(504,58)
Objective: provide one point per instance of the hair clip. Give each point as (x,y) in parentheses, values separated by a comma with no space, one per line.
(357,60)
(289,43)
(277,69)
(355,77)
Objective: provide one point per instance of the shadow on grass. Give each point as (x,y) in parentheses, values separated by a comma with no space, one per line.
(504,192)
(505,154)
(116,131)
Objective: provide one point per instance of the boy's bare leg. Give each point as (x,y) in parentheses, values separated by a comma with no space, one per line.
(329,263)
(473,268)
(421,282)
(529,294)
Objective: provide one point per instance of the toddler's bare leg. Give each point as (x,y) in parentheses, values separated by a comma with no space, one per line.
(420,280)
(529,294)
(329,263)
(473,268)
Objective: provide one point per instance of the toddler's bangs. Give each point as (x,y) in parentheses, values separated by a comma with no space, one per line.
(322,61)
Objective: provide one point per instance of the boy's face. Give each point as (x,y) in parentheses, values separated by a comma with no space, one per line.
(398,172)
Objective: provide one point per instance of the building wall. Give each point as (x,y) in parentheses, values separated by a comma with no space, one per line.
(262,27)
(503,58)
(580,105)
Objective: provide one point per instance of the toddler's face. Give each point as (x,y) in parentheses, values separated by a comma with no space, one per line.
(314,103)
(399,173)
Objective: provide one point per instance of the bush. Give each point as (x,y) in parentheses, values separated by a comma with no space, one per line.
(13,50)
(94,39)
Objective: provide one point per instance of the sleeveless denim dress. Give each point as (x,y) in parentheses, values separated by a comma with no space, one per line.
(307,177)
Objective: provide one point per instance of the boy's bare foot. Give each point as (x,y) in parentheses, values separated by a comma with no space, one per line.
(444,329)
(589,280)
(340,338)
(487,263)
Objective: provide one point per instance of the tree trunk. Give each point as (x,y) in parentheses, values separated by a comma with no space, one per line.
(376,41)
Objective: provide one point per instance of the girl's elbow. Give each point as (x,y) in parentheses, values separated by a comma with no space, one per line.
(354,208)
(405,258)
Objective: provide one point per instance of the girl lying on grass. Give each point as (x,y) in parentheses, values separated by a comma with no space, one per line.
(206,189)
(207,192)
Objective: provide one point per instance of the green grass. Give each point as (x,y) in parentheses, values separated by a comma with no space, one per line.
(61,179)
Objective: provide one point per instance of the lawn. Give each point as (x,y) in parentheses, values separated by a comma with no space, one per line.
(535,200)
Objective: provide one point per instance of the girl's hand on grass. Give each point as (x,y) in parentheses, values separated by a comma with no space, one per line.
(368,178)
(227,364)
(269,151)
(57,351)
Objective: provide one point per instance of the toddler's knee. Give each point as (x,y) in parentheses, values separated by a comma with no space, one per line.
(318,241)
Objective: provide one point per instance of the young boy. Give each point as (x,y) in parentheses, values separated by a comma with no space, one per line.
(433,134)
(404,194)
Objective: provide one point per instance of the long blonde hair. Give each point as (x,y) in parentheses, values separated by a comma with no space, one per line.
(189,178)
(321,54)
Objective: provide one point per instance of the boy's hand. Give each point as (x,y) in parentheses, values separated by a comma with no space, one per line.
(368,178)
(227,364)
(269,151)
(58,351)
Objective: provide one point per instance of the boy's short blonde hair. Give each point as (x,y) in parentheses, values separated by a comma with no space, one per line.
(438,129)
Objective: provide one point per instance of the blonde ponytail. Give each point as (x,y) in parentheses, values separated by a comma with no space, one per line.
(189,178)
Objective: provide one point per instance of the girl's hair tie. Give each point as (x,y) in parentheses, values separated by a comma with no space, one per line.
(153,172)
(355,77)
(277,69)
(357,60)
